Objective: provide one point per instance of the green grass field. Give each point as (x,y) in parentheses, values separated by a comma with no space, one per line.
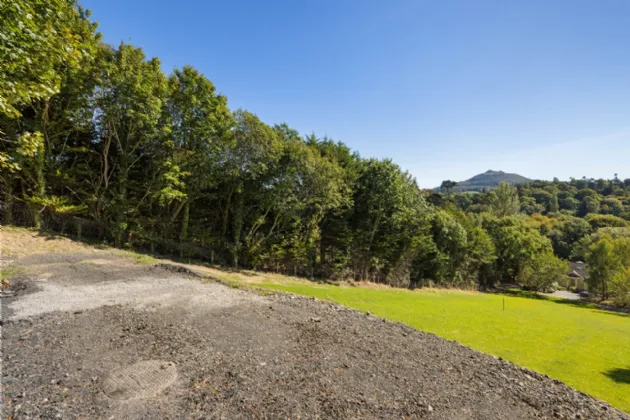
(584,347)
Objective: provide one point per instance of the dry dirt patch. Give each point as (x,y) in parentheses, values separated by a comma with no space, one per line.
(50,285)
(86,335)
(16,242)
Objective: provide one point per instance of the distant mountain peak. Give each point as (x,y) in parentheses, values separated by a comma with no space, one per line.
(489,180)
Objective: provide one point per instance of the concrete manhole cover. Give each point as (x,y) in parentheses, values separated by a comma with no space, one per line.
(140,380)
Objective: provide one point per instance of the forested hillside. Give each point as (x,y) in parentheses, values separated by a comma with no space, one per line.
(583,219)
(96,141)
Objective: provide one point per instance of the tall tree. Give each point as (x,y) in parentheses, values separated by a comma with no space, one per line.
(387,203)
(447,186)
(554,207)
(504,200)
(39,37)
(517,244)
(541,272)
(44,46)
(620,286)
(246,166)
(198,123)
(128,107)
(606,258)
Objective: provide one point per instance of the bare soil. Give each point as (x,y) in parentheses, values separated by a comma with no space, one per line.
(89,334)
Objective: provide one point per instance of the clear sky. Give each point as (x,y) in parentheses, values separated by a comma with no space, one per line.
(447,89)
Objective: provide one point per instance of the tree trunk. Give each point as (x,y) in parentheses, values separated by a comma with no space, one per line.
(152,239)
(184,232)
(8,203)
(226,216)
(369,248)
(40,188)
(121,217)
(237,227)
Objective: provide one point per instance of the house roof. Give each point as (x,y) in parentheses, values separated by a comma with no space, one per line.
(579,268)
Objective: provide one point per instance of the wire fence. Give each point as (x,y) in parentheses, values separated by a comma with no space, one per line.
(88,230)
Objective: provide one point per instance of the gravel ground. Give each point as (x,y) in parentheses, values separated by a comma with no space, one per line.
(99,336)
(564,295)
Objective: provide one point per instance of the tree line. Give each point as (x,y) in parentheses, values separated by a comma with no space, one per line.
(97,140)
(584,219)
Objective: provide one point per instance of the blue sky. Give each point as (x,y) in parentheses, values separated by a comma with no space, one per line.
(447,89)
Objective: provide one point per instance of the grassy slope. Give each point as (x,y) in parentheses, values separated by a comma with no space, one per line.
(586,348)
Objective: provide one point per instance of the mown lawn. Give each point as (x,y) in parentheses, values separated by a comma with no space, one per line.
(586,348)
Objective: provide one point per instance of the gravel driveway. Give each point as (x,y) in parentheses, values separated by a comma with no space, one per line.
(100,336)
(564,295)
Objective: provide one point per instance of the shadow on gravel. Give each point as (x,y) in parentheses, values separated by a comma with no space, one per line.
(49,235)
(621,376)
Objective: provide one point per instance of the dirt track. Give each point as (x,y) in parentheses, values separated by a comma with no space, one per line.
(94,335)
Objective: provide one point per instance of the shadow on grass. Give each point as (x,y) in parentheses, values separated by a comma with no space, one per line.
(608,310)
(612,312)
(533,295)
(621,376)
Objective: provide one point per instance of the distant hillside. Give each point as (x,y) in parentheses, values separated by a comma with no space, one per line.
(488,180)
